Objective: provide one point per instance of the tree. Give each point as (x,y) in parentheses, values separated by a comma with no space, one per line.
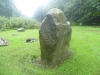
(39,14)
(86,11)
(8,8)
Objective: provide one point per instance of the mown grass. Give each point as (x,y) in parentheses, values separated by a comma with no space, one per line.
(16,59)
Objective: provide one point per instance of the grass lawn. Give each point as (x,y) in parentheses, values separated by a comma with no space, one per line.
(16,59)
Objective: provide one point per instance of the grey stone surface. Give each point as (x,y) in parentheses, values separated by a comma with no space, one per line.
(30,40)
(20,29)
(3,42)
(55,36)
(14,34)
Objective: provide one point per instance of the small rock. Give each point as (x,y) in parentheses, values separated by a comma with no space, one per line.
(14,34)
(30,40)
(20,29)
(3,42)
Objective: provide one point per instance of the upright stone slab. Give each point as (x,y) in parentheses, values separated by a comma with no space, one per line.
(55,36)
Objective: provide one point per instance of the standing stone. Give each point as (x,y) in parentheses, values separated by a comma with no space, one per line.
(55,36)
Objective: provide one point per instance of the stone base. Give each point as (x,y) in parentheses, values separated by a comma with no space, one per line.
(4,45)
(54,64)
(64,58)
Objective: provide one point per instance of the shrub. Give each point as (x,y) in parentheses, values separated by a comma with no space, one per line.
(17,22)
(74,23)
(3,29)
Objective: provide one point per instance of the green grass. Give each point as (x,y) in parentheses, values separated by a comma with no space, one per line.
(15,59)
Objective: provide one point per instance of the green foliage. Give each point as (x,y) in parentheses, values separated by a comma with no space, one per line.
(39,14)
(17,22)
(85,11)
(3,28)
(8,8)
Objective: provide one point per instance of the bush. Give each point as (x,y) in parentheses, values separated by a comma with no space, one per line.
(74,23)
(3,29)
(17,22)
